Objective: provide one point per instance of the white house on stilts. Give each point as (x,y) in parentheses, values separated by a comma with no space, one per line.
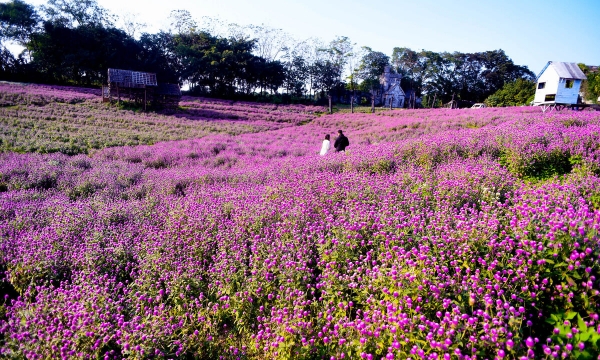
(558,85)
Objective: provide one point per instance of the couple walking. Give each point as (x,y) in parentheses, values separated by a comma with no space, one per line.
(340,143)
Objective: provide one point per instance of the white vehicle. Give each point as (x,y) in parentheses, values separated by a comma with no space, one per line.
(478,106)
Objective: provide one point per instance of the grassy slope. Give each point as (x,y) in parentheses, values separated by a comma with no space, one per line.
(35,118)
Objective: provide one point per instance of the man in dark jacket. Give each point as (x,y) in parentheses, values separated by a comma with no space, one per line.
(341,142)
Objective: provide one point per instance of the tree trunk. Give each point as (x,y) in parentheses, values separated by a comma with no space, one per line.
(372,100)
(372,104)
(330,109)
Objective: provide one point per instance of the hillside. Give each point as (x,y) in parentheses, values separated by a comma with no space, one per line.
(438,234)
(46,119)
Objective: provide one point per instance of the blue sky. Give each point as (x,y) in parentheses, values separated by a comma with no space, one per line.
(531,32)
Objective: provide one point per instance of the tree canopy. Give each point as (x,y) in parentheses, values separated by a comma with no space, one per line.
(75,41)
(516,93)
(372,65)
(591,86)
(18,20)
(74,13)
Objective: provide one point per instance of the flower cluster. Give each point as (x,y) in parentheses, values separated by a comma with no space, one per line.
(439,234)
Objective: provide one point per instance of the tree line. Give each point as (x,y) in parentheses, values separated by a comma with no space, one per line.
(75,41)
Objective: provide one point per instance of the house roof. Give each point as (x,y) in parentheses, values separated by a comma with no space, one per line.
(168,89)
(564,70)
(397,85)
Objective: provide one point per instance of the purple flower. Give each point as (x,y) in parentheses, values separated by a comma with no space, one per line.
(529,342)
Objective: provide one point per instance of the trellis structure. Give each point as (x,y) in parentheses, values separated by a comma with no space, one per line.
(140,87)
(131,79)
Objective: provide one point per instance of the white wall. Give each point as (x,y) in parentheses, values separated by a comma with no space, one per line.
(565,95)
(556,85)
(550,77)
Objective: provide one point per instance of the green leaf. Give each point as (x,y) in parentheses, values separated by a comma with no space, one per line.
(563,330)
(586,301)
(570,315)
(549,261)
(581,324)
(584,336)
(583,355)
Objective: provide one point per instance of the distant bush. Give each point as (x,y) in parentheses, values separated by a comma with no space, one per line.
(517,93)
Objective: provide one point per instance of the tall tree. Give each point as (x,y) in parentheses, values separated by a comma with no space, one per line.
(157,55)
(326,77)
(8,64)
(339,52)
(591,86)
(352,77)
(74,13)
(313,54)
(18,20)
(437,75)
(410,64)
(465,78)
(81,55)
(405,61)
(130,25)
(181,22)
(296,72)
(499,69)
(270,43)
(371,66)
(196,55)
(446,76)
(221,66)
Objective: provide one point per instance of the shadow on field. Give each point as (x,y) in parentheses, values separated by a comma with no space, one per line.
(201,114)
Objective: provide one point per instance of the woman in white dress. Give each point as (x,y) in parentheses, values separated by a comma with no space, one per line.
(326,145)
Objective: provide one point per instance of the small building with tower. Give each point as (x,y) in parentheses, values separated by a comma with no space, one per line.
(390,94)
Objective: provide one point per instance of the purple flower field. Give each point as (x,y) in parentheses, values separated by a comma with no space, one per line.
(439,234)
(48,119)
